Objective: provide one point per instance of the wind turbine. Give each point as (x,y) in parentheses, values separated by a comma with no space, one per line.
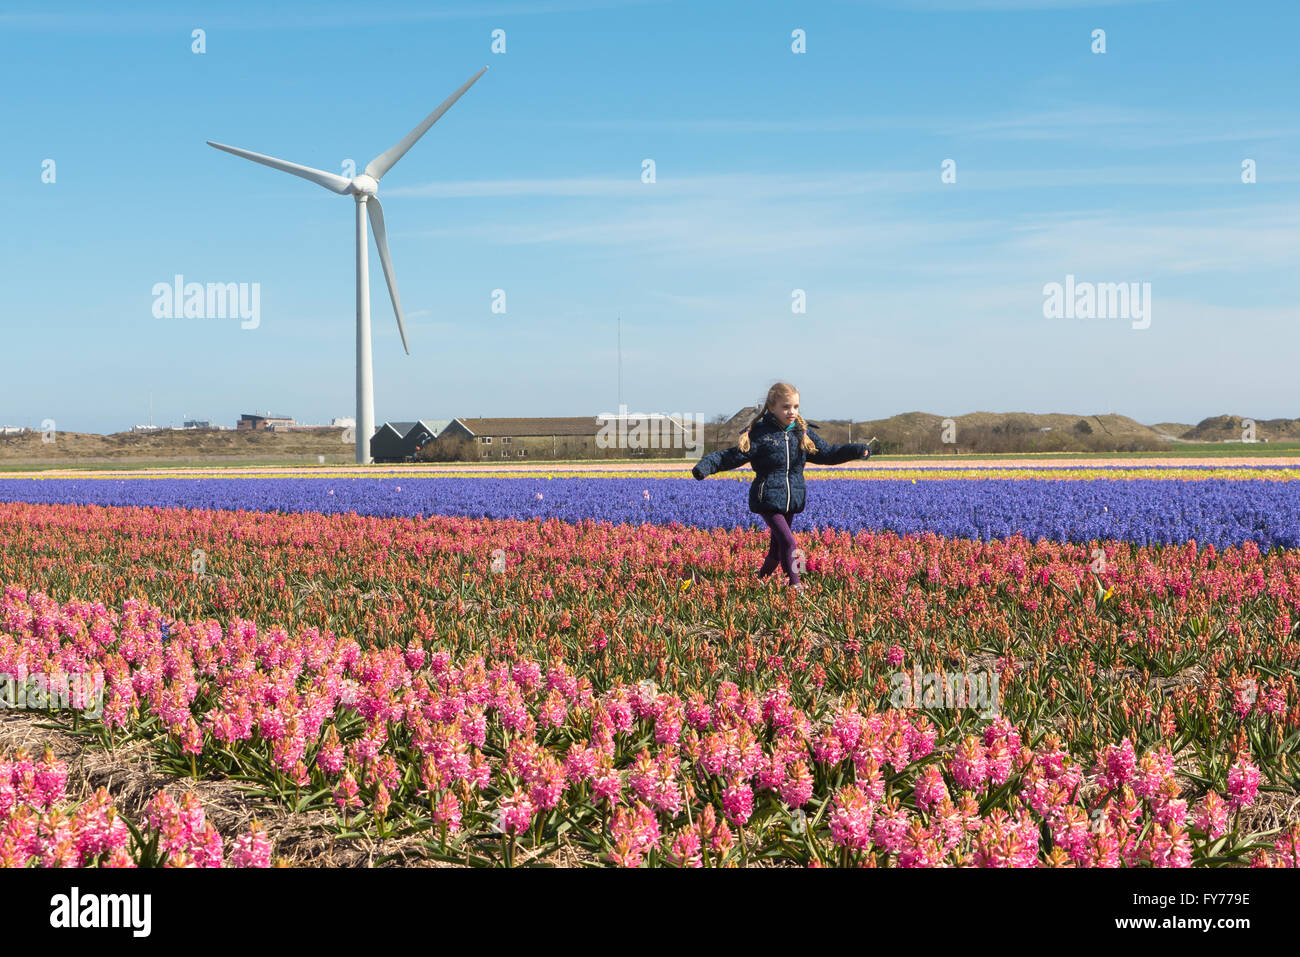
(363,188)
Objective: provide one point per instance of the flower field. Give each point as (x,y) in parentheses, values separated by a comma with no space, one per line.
(487,671)
(1211,506)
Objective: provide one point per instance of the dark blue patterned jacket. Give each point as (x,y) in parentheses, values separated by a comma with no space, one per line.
(777,458)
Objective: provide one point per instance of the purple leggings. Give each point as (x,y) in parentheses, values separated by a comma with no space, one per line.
(782,548)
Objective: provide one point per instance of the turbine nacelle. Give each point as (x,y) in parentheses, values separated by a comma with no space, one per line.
(364,185)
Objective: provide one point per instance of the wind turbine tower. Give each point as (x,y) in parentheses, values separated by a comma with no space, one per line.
(364,188)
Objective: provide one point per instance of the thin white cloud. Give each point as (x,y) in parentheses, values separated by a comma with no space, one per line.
(808,235)
(1122,128)
(833,185)
(735,185)
(1117,126)
(850,124)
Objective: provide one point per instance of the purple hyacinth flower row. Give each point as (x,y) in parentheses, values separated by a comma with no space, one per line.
(1221,512)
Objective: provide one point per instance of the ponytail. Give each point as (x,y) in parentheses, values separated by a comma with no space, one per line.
(806,443)
(743,444)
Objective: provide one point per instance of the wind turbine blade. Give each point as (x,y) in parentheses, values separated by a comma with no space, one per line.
(382,163)
(330,181)
(381,241)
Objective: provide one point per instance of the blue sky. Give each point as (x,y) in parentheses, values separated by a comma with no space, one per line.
(775,171)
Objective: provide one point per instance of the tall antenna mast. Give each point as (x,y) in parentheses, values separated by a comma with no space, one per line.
(620,360)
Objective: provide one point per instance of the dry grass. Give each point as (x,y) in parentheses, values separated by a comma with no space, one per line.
(174,446)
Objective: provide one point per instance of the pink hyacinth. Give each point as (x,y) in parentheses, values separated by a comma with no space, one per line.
(1243,783)
(685,851)
(527,675)
(797,788)
(668,726)
(331,759)
(515,813)
(579,763)
(738,802)
(1167,847)
(1244,694)
(51,777)
(448,812)
(919,848)
(1120,762)
(771,773)
(1153,769)
(851,819)
(968,766)
(897,750)
(920,738)
(1172,812)
(346,794)
(828,749)
(930,787)
(1000,727)
(547,783)
(606,784)
(643,776)
(847,728)
(1212,819)
(998,760)
(1273,702)
(554,710)
(251,849)
(1286,849)
(890,826)
(382,801)
(1071,832)
(871,780)
(634,832)
(414,654)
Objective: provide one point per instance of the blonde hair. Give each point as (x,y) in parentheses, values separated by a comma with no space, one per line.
(782,390)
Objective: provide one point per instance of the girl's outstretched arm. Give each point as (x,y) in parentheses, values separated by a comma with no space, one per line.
(721,461)
(835,454)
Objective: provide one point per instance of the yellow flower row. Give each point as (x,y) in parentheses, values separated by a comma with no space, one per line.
(1279,474)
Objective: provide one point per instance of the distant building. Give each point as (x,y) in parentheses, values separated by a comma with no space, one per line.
(343,422)
(253,422)
(12,429)
(197,424)
(738,422)
(401,441)
(146,428)
(567,437)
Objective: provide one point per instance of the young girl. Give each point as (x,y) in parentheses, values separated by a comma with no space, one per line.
(776,444)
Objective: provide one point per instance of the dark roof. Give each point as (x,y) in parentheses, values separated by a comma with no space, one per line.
(740,421)
(571,425)
(403,429)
